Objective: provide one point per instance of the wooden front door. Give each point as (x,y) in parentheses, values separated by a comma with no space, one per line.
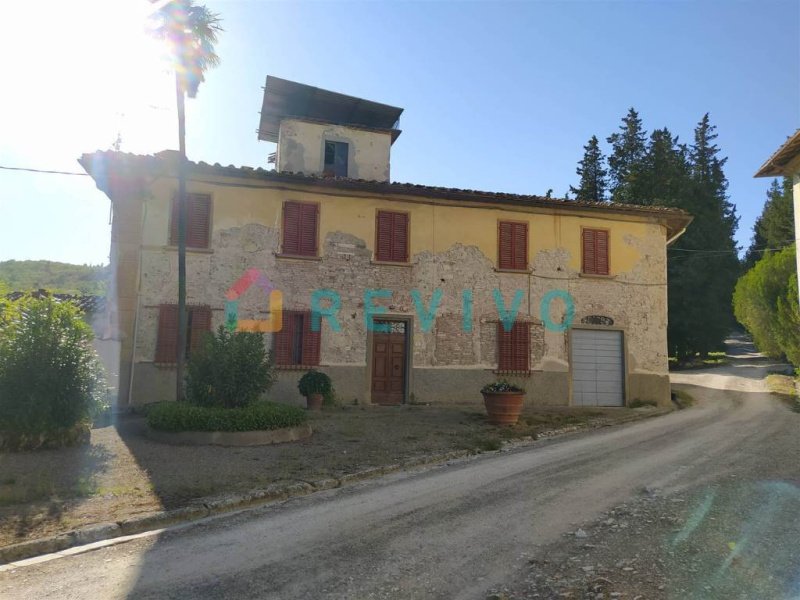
(389,364)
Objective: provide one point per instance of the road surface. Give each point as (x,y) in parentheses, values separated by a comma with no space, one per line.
(453,531)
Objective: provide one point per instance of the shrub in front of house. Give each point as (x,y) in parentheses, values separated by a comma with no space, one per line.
(229,370)
(182,416)
(51,380)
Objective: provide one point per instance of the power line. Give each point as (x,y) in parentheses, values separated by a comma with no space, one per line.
(47,171)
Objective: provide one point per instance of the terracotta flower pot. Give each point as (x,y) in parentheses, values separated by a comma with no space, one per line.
(503,408)
(314,402)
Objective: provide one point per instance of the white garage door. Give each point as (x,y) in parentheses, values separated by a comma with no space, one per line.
(597,368)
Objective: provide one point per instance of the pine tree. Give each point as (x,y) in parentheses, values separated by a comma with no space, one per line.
(774,228)
(703,263)
(592,184)
(628,149)
(665,171)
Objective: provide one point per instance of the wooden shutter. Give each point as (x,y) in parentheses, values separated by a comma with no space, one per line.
(513,245)
(595,251)
(167,341)
(601,252)
(300,228)
(198,221)
(200,319)
(391,243)
(311,342)
(513,348)
(283,339)
(198,225)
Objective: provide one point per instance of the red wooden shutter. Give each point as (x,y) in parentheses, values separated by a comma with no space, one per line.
(308,229)
(513,246)
(198,220)
(505,348)
(291,228)
(589,258)
(201,324)
(601,252)
(506,246)
(167,341)
(400,237)
(282,340)
(391,236)
(311,342)
(300,228)
(520,341)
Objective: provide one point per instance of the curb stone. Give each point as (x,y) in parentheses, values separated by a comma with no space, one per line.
(193,512)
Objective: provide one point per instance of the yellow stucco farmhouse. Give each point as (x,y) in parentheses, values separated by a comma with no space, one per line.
(399,292)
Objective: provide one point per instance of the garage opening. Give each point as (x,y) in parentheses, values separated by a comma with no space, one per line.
(598,368)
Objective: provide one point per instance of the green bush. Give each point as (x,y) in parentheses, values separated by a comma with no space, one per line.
(182,416)
(765,302)
(229,370)
(50,377)
(315,382)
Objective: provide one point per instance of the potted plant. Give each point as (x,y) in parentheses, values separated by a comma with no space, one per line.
(314,385)
(503,401)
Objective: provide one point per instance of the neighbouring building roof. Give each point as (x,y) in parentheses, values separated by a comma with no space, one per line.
(86,302)
(102,164)
(777,163)
(288,99)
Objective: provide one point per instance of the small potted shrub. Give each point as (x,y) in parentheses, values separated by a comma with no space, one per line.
(314,385)
(503,401)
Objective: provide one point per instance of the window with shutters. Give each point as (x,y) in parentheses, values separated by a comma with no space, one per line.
(595,251)
(300,228)
(391,236)
(296,345)
(512,245)
(513,348)
(199,323)
(198,221)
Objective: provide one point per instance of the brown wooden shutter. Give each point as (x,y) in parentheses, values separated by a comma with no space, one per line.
(198,216)
(589,259)
(391,243)
(311,342)
(601,252)
(400,237)
(300,228)
(308,229)
(201,324)
(520,341)
(520,246)
(505,348)
(198,221)
(283,339)
(513,246)
(167,340)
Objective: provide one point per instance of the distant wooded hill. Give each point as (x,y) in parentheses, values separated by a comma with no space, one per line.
(26,275)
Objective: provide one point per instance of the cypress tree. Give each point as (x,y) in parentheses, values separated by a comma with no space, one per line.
(774,228)
(628,149)
(592,184)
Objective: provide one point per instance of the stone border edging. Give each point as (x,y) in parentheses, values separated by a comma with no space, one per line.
(229,438)
(230,503)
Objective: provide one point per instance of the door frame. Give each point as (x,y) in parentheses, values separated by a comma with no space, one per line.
(409,321)
(621,330)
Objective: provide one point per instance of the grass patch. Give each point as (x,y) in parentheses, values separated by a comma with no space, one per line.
(783,386)
(713,359)
(181,416)
(637,403)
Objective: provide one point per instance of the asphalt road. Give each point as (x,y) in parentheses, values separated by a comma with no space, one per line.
(453,531)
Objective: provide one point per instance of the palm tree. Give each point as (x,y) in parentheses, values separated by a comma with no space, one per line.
(190,32)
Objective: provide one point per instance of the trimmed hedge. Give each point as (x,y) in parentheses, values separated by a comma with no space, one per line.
(182,416)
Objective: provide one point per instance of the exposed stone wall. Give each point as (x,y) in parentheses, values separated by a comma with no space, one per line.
(446,359)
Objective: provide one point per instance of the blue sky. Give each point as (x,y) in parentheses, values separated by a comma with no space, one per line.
(498,96)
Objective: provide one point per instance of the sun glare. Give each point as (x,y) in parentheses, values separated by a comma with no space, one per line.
(84,72)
